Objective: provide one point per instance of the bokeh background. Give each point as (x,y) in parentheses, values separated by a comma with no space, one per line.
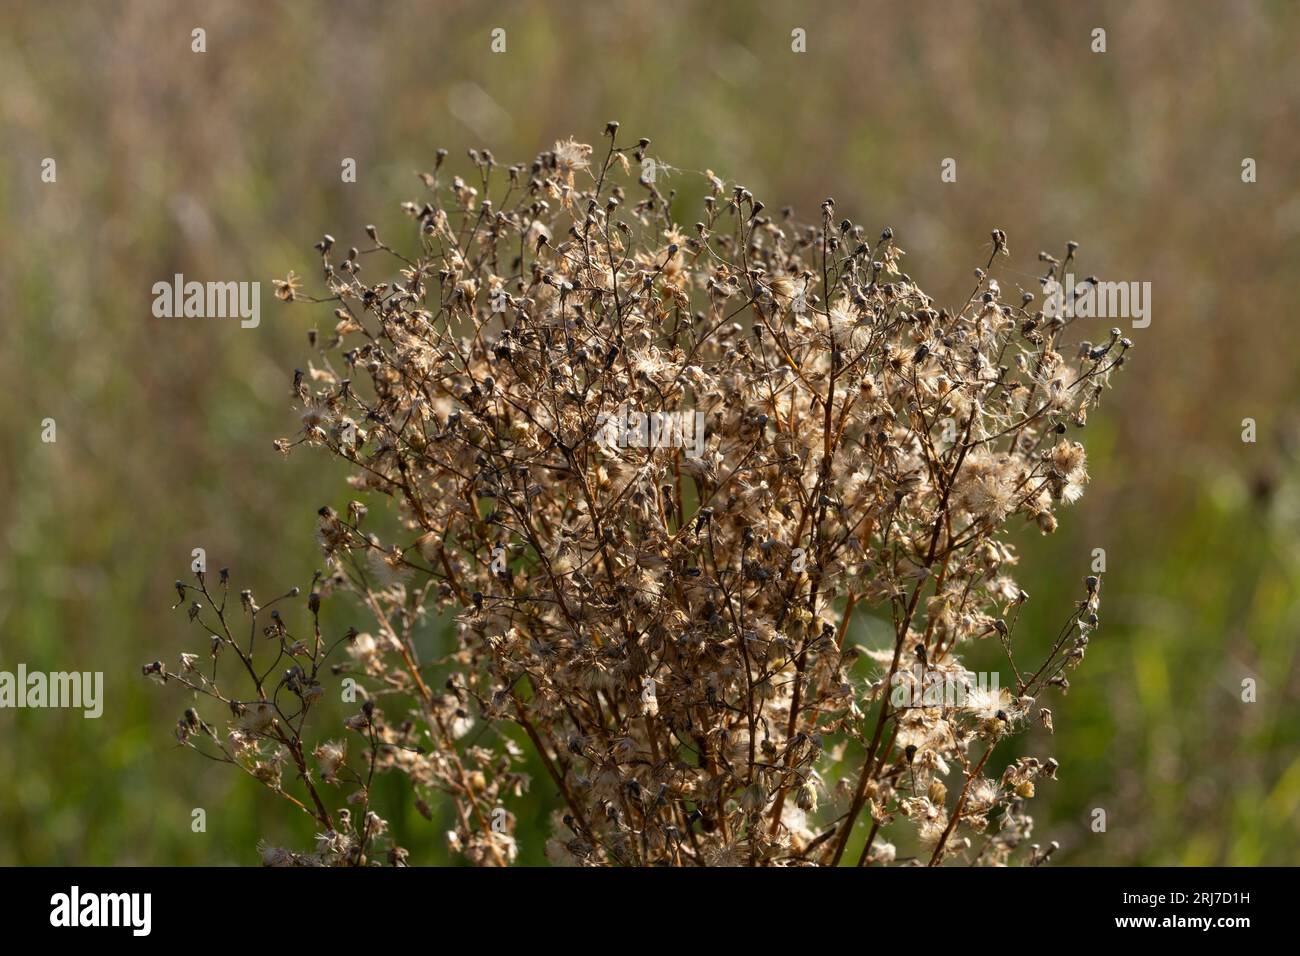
(226,165)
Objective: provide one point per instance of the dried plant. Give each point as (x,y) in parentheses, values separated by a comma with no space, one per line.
(662,612)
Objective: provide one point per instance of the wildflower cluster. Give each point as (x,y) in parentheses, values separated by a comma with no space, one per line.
(668,630)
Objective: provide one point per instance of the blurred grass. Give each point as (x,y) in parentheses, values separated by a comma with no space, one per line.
(225,165)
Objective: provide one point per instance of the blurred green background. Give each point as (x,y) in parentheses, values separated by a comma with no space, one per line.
(225,165)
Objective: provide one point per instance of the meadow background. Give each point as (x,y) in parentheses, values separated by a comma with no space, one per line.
(225,165)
